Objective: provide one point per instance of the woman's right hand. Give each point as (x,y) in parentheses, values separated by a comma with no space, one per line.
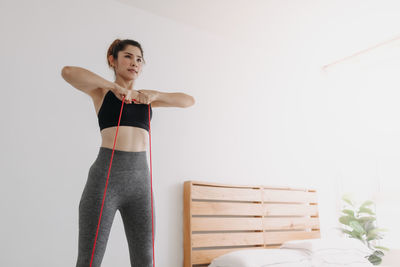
(120,92)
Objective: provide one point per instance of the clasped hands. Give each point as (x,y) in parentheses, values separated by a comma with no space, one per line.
(145,96)
(141,96)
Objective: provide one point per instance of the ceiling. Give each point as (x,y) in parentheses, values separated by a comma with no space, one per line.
(229,19)
(291,22)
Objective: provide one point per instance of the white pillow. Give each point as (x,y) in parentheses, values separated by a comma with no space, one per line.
(329,245)
(346,259)
(334,250)
(262,257)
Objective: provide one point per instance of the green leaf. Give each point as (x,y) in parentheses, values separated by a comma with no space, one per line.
(349,212)
(378,253)
(371,236)
(368,226)
(375,260)
(345,220)
(356,234)
(381,247)
(346,231)
(357,227)
(366,219)
(366,210)
(367,203)
(347,198)
(375,232)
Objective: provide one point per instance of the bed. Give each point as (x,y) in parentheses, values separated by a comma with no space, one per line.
(246,221)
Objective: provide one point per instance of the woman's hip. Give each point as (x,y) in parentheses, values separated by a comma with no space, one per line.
(121,161)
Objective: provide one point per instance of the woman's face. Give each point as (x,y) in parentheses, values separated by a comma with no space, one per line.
(129,63)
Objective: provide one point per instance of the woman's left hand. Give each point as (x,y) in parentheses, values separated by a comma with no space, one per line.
(146,96)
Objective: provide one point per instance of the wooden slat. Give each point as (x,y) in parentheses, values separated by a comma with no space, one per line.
(252,209)
(271,195)
(290,210)
(291,223)
(247,224)
(248,194)
(280,237)
(224,239)
(187,228)
(208,184)
(222,193)
(226,224)
(250,238)
(221,208)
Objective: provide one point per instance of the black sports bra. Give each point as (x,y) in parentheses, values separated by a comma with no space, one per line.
(132,114)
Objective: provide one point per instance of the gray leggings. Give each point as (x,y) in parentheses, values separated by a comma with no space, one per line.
(128,191)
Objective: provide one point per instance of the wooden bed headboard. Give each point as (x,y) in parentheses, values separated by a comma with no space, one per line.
(220,218)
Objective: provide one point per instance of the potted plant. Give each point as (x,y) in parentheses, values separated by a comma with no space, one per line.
(359,222)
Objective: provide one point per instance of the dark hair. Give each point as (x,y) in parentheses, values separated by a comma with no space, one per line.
(120,45)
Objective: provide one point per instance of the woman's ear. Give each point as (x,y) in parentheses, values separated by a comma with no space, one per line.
(111,60)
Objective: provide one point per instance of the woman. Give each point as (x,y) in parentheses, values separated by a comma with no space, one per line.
(129,187)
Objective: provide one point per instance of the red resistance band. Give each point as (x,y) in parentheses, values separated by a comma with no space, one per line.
(105,190)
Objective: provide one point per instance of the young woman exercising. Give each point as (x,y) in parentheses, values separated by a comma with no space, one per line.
(129,188)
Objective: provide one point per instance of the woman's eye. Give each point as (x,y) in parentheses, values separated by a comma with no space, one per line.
(140,60)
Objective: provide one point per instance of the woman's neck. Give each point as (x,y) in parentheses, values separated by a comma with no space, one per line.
(128,84)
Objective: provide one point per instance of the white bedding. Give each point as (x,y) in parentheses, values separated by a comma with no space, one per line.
(329,252)
(262,257)
(334,251)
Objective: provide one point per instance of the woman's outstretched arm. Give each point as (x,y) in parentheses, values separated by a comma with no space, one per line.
(173,100)
(84,80)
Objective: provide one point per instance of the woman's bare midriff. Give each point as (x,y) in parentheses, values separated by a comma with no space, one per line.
(129,138)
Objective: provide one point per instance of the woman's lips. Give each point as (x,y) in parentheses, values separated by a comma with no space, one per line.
(132,71)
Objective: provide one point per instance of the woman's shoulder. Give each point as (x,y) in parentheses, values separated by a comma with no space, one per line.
(98,96)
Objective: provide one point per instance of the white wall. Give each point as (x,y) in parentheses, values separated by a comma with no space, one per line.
(265,113)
